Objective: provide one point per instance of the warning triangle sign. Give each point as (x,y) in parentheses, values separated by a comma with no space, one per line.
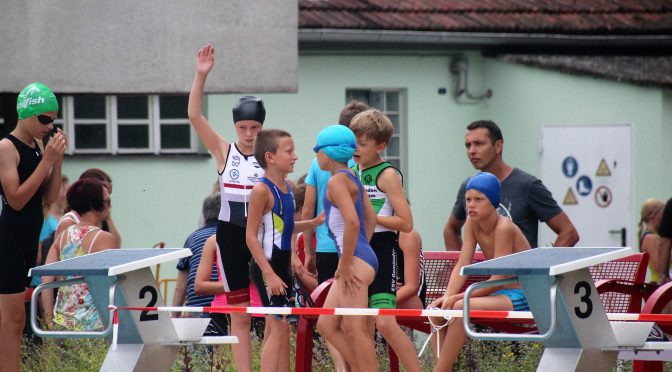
(603,169)
(570,198)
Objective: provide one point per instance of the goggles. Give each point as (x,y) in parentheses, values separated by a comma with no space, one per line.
(45,119)
(320,147)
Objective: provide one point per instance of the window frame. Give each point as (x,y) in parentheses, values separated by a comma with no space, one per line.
(112,124)
(401,113)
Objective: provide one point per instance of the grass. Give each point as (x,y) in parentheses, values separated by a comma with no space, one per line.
(88,354)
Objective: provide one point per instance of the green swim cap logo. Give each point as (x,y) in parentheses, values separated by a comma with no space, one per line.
(35,99)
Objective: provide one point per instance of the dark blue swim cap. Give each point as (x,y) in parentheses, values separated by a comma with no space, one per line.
(249,108)
(488,184)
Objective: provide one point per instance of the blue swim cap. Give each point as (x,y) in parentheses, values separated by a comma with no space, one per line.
(337,142)
(488,184)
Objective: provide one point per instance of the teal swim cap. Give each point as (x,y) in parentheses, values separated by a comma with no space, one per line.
(488,184)
(337,142)
(35,99)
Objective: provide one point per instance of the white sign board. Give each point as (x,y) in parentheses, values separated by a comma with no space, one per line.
(589,171)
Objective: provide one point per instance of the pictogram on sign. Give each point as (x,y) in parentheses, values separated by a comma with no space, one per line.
(603,196)
(584,185)
(570,166)
(570,198)
(603,169)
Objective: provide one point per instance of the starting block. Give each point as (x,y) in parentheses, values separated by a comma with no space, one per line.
(565,304)
(146,340)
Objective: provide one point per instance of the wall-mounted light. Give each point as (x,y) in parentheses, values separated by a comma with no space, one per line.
(458,69)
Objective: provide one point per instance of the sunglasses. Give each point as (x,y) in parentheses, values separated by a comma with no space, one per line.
(45,119)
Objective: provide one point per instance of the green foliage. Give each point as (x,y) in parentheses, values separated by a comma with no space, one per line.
(88,355)
(63,355)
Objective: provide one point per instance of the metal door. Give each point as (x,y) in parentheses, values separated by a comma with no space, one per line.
(589,171)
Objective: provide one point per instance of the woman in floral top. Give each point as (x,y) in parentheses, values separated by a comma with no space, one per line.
(74,308)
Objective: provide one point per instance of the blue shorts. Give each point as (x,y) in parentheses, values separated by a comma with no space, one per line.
(517,298)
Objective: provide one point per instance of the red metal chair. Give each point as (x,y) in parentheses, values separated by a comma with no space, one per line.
(655,303)
(305,330)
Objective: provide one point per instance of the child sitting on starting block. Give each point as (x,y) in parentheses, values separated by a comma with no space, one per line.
(497,236)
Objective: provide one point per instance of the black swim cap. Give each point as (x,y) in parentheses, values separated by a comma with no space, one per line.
(249,108)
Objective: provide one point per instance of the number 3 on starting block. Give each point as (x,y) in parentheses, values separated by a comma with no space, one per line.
(589,322)
(583,290)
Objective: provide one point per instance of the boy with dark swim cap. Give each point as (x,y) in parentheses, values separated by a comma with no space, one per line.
(383,184)
(238,173)
(351,219)
(497,236)
(29,173)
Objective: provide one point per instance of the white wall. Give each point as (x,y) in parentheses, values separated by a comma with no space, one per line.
(149,46)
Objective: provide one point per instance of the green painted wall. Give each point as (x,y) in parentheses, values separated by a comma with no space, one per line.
(159,198)
(525,98)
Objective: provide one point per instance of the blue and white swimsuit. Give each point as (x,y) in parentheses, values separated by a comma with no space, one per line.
(336,224)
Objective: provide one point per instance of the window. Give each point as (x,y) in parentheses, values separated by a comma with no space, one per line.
(127,124)
(389,102)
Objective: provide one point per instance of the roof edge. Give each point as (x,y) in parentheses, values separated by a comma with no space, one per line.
(335,38)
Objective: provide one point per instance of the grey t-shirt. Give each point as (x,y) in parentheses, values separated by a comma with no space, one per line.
(524,199)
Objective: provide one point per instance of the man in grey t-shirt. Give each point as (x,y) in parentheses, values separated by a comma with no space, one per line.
(524,198)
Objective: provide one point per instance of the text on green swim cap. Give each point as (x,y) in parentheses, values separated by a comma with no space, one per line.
(35,99)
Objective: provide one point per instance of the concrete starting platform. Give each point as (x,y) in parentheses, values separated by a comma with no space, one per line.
(566,306)
(145,340)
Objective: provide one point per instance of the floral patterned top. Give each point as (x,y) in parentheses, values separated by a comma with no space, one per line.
(74,308)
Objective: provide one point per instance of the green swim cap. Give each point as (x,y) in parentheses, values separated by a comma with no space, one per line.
(35,99)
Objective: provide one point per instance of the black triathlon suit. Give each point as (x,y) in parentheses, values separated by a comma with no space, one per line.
(20,230)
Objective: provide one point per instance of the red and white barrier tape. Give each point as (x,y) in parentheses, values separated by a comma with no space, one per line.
(332,311)
(477,314)
(115,327)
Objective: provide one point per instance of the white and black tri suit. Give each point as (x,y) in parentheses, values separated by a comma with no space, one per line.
(241,172)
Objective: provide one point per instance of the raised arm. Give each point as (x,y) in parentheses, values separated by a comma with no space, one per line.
(215,143)
(402,220)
